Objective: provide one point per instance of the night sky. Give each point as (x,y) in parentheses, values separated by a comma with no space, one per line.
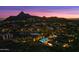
(59,11)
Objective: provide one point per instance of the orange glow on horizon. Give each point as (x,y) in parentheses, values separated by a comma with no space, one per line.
(50,14)
(47,14)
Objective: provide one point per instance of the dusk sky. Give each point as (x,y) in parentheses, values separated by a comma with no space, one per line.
(59,11)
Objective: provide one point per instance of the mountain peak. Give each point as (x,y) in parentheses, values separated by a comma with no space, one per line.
(20,16)
(21,13)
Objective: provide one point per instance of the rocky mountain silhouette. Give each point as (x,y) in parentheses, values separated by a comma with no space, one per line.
(20,16)
(23,16)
